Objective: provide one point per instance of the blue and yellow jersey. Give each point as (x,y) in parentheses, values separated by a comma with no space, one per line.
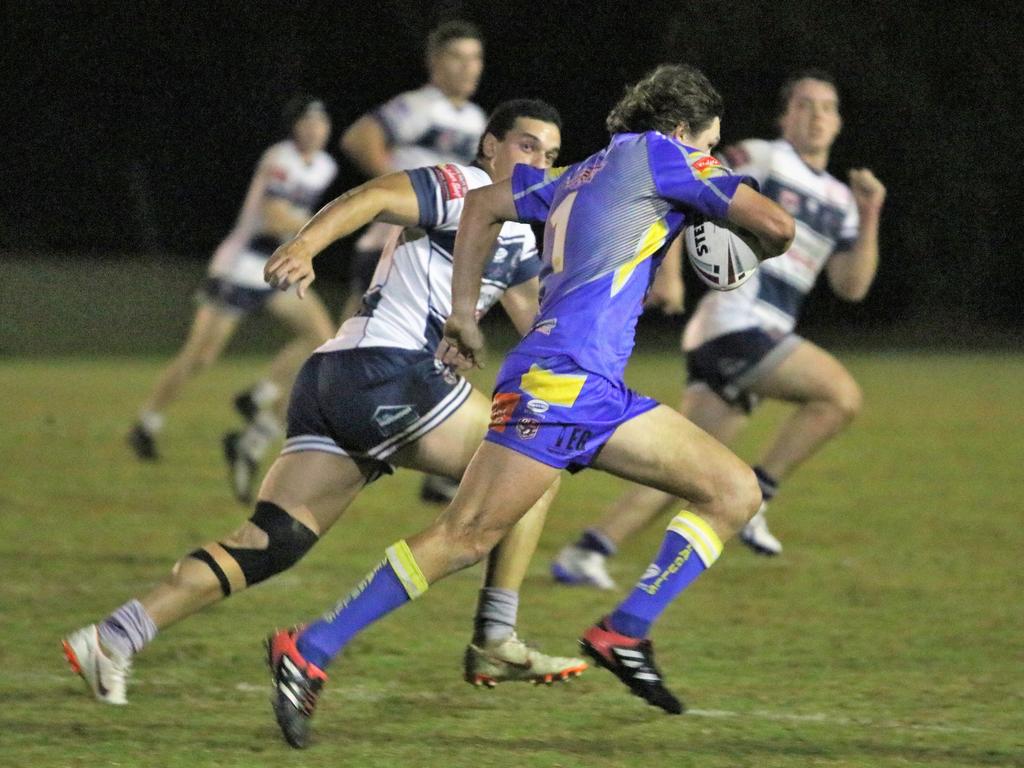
(608,221)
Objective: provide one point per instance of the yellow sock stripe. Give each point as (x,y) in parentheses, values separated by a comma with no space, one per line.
(406,568)
(705,541)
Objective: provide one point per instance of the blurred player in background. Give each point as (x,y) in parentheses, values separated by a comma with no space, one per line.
(740,345)
(560,401)
(289,179)
(373,397)
(432,125)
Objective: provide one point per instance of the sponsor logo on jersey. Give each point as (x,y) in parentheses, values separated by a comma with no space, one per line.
(538,406)
(706,166)
(392,419)
(527,428)
(454,181)
(502,406)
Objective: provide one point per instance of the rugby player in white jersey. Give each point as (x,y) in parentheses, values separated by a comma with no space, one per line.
(290,178)
(372,398)
(434,124)
(740,345)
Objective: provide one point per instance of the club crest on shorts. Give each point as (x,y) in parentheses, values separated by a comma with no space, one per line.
(392,419)
(527,428)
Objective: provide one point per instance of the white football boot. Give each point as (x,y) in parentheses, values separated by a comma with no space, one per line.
(512,660)
(756,535)
(582,567)
(105,672)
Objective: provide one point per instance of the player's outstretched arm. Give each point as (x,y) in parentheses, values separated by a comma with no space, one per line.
(485,210)
(390,198)
(764,218)
(851,272)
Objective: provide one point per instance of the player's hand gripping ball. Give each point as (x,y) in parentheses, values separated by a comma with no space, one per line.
(722,255)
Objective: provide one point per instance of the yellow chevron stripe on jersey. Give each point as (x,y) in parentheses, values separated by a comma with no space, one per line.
(653,239)
(407,569)
(705,541)
(555,388)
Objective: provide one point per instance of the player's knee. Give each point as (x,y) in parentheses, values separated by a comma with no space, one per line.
(737,496)
(287,541)
(848,399)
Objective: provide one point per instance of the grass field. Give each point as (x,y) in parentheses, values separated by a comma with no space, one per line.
(891,632)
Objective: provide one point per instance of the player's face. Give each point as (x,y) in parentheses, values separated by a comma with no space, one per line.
(528,141)
(456,69)
(705,140)
(311,131)
(811,121)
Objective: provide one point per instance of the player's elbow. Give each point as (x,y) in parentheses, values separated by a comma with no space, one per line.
(779,231)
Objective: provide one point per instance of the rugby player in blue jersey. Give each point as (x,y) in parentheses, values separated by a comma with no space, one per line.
(741,345)
(560,401)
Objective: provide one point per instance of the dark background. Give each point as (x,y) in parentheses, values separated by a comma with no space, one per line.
(133,128)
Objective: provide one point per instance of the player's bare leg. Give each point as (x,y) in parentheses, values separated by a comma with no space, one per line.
(496,653)
(264,404)
(662,449)
(211,330)
(302,496)
(313,488)
(497,489)
(827,400)
(585,561)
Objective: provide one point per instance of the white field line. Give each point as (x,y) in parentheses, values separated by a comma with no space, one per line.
(377,693)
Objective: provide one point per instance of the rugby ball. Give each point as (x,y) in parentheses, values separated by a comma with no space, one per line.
(720,256)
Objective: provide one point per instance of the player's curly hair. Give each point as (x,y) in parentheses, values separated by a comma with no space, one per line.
(667,96)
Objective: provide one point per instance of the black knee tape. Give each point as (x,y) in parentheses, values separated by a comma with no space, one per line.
(287,541)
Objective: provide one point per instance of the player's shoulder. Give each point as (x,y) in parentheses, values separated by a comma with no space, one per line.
(281,152)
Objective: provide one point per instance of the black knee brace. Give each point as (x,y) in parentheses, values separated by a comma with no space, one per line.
(287,541)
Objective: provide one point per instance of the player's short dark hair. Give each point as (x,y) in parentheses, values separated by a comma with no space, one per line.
(297,106)
(456,29)
(667,96)
(789,84)
(505,115)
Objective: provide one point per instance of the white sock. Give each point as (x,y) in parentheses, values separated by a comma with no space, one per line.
(265,393)
(152,421)
(258,436)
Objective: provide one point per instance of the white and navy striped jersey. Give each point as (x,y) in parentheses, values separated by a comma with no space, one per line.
(289,177)
(826,222)
(411,294)
(424,127)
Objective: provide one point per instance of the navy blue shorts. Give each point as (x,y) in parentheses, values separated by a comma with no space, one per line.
(729,364)
(231,297)
(368,403)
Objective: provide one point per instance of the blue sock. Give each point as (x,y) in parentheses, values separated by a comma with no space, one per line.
(394,582)
(689,548)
